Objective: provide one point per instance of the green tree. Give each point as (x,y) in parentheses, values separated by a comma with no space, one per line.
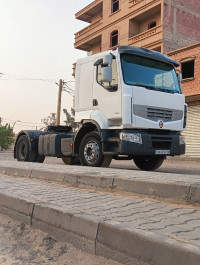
(70,119)
(6,137)
(49,120)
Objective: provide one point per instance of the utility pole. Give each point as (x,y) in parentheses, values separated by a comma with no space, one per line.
(14,124)
(59,102)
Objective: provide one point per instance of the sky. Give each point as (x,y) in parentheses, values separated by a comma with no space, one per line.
(36,50)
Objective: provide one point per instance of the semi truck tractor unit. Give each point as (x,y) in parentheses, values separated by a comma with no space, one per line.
(129,105)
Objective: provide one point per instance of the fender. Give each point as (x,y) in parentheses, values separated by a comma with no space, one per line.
(33,137)
(86,127)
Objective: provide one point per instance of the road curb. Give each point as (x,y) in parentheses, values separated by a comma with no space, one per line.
(145,245)
(98,236)
(163,187)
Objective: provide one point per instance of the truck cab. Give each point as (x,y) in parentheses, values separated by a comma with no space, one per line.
(130,105)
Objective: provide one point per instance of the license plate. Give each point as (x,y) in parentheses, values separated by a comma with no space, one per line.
(162,152)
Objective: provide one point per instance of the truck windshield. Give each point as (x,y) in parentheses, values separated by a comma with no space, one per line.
(149,73)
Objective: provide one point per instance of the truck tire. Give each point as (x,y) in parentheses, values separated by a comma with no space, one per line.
(148,163)
(90,151)
(23,152)
(70,160)
(39,158)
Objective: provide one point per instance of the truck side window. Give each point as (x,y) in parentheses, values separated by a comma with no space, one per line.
(114,82)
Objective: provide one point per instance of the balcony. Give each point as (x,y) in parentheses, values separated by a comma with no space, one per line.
(90,11)
(142,4)
(147,38)
(91,28)
(88,33)
(92,44)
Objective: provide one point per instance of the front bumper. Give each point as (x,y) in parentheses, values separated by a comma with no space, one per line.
(165,143)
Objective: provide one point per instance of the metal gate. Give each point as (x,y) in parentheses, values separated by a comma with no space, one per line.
(192,133)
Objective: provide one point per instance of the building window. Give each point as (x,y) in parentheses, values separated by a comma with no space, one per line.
(187,69)
(115,5)
(152,24)
(114,38)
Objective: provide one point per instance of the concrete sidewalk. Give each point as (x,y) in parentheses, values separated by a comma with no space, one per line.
(164,186)
(123,227)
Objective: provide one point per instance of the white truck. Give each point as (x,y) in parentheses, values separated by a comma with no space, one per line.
(129,104)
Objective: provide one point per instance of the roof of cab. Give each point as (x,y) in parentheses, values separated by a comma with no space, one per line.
(147,53)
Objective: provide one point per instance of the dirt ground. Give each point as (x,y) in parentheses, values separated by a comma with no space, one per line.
(22,245)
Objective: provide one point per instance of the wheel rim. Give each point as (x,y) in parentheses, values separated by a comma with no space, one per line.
(91,152)
(22,151)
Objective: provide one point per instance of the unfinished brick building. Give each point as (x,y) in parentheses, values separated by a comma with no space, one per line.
(189,58)
(162,25)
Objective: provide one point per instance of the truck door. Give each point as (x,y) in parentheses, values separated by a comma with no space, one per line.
(107,96)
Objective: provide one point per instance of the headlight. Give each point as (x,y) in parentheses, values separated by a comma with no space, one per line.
(181,139)
(132,137)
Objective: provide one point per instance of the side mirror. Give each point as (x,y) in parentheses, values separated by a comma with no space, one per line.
(107,59)
(107,68)
(107,74)
(179,76)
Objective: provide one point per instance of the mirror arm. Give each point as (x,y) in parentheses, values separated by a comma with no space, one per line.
(98,62)
(112,88)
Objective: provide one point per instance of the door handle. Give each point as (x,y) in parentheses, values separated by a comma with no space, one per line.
(95,102)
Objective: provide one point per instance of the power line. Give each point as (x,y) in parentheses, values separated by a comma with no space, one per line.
(66,87)
(23,122)
(26,123)
(9,78)
(5,76)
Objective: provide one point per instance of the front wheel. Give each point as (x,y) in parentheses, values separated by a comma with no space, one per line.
(148,163)
(91,151)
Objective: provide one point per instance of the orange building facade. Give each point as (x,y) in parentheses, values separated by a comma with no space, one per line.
(189,59)
(161,25)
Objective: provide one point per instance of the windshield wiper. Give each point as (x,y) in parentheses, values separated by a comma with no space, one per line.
(167,90)
(156,88)
(143,85)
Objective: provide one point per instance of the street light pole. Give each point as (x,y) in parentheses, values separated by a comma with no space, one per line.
(59,102)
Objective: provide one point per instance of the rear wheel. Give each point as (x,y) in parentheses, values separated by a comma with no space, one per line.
(148,163)
(39,158)
(23,152)
(71,160)
(91,151)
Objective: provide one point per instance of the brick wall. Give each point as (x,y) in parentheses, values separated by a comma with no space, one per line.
(191,87)
(181,20)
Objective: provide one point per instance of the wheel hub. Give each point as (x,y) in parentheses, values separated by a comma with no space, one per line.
(91,152)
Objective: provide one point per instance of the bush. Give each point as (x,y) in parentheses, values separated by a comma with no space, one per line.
(6,137)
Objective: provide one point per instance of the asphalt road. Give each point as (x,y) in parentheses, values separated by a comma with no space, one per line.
(169,165)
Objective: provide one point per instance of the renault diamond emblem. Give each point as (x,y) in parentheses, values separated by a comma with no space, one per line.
(161,124)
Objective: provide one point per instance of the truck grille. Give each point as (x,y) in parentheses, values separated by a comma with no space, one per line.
(156,114)
(161,142)
(159,114)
